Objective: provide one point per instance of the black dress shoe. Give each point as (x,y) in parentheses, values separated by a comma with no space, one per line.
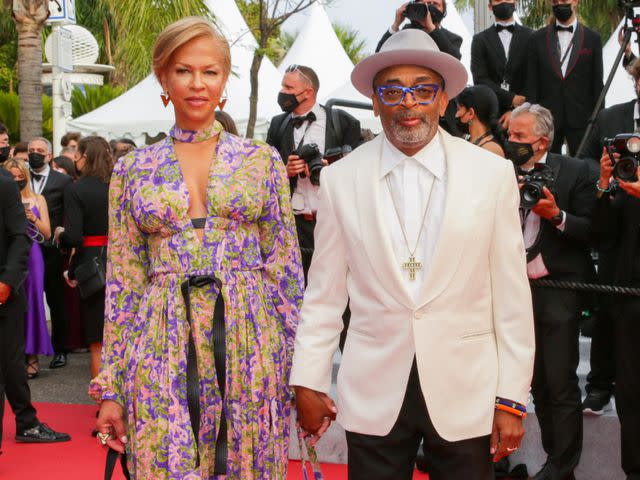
(41,433)
(59,360)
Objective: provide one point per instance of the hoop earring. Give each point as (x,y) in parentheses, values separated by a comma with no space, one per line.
(164,96)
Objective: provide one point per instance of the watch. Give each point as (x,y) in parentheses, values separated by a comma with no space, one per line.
(557,220)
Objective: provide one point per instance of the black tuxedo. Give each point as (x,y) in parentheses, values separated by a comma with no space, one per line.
(491,66)
(565,254)
(342,129)
(610,122)
(15,246)
(616,219)
(572,98)
(53,193)
(447,41)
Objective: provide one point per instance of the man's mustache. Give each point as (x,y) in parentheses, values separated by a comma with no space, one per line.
(409,114)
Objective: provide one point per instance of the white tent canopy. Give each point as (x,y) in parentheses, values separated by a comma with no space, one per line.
(622,87)
(318,47)
(139,111)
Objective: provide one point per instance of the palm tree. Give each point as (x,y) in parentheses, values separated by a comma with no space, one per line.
(30,17)
(352,44)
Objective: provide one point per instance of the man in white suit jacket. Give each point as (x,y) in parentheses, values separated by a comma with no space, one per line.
(420,230)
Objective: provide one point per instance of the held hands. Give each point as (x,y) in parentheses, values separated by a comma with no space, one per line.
(30,215)
(506,435)
(56,235)
(111,421)
(632,188)
(71,283)
(296,166)
(546,207)
(315,412)
(5,292)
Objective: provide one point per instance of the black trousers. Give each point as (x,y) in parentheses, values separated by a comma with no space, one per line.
(13,377)
(627,338)
(602,358)
(555,389)
(392,457)
(54,288)
(573,136)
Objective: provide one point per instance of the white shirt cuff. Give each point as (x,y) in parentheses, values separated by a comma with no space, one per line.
(392,31)
(563,223)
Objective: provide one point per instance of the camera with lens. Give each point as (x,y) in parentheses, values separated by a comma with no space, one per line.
(336,153)
(627,145)
(416,11)
(533,184)
(310,153)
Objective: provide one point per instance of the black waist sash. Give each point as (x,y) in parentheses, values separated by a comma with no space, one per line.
(193,378)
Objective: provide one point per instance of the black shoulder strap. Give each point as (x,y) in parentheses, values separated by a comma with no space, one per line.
(283,126)
(334,124)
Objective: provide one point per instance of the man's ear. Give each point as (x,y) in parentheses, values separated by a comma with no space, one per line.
(376,105)
(444,102)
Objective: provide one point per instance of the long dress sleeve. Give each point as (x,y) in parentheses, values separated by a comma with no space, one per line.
(280,251)
(127,264)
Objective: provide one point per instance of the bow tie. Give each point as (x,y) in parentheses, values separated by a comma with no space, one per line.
(508,28)
(36,176)
(298,121)
(560,28)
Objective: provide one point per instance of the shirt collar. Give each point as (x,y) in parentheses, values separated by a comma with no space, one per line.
(315,109)
(506,24)
(45,171)
(430,157)
(574,24)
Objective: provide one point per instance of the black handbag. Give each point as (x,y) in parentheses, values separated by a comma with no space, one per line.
(91,276)
(112,459)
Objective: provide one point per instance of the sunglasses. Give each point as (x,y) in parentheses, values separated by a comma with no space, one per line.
(423,94)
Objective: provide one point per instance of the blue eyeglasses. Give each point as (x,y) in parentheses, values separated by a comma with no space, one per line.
(423,94)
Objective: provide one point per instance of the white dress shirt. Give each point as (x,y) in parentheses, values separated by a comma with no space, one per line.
(38,185)
(505,37)
(411,180)
(564,38)
(636,116)
(536,267)
(305,196)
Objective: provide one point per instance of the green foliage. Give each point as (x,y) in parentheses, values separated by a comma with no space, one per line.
(10,115)
(92,97)
(352,44)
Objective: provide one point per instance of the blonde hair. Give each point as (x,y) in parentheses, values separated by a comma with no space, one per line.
(22,166)
(182,32)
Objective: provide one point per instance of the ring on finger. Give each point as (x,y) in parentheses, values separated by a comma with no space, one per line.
(103,437)
(512,449)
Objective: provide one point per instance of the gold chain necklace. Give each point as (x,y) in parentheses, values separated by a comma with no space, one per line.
(412,265)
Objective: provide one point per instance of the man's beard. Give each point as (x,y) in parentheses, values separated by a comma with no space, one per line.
(421,133)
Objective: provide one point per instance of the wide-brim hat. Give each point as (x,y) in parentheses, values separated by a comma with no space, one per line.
(410,47)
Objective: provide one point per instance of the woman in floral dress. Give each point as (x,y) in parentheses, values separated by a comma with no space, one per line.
(201,233)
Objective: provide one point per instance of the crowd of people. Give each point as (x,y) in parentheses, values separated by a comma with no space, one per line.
(211,276)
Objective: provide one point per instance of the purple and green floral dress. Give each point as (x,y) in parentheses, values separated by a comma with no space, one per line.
(249,243)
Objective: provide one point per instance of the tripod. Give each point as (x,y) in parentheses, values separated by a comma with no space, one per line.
(628,31)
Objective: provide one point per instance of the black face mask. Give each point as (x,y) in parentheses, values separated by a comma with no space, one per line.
(436,15)
(4,153)
(503,11)
(288,102)
(21,183)
(518,153)
(463,127)
(563,12)
(36,160)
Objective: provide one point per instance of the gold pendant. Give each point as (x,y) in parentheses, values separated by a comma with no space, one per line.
(412,266)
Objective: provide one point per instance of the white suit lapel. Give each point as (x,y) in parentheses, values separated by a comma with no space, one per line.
(376,240)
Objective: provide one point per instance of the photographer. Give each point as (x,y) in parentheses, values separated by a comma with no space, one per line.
(427,19)
(623,117)
(305,122)
(556,231)
(615,219)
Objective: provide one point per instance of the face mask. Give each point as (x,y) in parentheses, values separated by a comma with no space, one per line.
(288,102)
(518,153)
(462,126)
(563,12)
(36,160)
(4,153)
(436,15)
(503,11)
(21,183)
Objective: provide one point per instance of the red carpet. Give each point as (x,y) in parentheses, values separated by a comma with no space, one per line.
(82,459)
